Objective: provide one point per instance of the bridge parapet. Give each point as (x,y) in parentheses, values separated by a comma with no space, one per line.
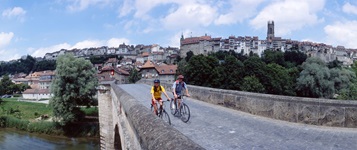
(324,112)
(127,124)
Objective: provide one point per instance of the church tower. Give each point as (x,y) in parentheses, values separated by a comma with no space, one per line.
(270,34)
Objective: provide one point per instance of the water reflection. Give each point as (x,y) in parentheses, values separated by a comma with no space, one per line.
(11,139)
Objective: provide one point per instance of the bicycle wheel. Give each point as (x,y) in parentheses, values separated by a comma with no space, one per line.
(185,113)
(173,107)
(165,116)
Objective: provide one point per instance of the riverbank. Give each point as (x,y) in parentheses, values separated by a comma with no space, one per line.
(37,118)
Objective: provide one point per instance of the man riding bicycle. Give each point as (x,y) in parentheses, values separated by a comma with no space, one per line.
(156,95)
(178,87)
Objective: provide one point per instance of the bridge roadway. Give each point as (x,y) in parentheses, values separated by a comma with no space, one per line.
(217,127)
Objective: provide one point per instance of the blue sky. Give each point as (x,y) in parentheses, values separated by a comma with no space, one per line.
(36,27)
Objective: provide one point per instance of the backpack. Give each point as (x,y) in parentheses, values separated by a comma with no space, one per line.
(179,89)
(159,89)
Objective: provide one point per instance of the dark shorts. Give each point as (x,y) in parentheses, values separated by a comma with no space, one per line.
(153,102)
(178,95)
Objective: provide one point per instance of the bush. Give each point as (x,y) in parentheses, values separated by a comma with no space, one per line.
(44,127)
(12,122)
(92,111)
(17,95)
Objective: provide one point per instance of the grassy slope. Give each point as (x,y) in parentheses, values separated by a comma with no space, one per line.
(24,110)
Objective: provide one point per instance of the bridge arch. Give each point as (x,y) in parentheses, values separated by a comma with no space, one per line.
(117,139)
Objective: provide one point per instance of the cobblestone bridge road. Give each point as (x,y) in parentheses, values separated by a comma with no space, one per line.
(216,127)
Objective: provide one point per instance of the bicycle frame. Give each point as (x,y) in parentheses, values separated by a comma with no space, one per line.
(182,109)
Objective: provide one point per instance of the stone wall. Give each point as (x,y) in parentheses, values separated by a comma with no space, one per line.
(325,112)
(138,127)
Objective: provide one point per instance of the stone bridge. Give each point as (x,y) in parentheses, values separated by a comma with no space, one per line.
(225,119)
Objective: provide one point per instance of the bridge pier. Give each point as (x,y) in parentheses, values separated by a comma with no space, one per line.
(105,120)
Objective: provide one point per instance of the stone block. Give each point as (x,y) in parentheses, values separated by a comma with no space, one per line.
(245,105)
(308,114)
(229,101)
(331,116)
(286,111)
(263,107)
(351,117)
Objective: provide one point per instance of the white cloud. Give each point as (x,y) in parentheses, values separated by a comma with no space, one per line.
(5,38)
(8,54)
(190,16)
(79,5)
(88,44)
(350,9)
(342,33)
(174,41)
(16,12)
(40,52)
(142,7)
(289,15)
(239,11)
(126,8)
(171,14)
(114,42)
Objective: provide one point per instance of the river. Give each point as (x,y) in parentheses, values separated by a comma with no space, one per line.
(11,139)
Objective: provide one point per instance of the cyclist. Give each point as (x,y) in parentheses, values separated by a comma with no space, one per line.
(156,94)
(178,87)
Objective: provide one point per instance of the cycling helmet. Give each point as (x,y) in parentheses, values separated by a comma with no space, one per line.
(156,81)
(180,77)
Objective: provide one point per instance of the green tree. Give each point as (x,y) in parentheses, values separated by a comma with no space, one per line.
(189,54)
(44,65)
(233,69)
(294,57)
(19,88)
(181,67)
(350,93)
(134,75)
(203,70)
(252,84)
(279,80)
(254,66)
(335,64)
(270,56)
(73,86)
(314,80)
(6,85)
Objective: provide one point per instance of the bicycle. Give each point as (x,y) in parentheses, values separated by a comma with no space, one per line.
(162,112)
(183,111)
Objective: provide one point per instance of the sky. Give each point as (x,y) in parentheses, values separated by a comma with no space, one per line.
(37,27)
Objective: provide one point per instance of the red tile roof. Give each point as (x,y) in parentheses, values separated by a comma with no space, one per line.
(193,40)
(148,64)
(166,69)
(37,91)
(112,60)
(117,70)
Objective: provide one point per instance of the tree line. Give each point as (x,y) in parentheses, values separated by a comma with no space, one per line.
(30,64)
(289,73)
(27,65)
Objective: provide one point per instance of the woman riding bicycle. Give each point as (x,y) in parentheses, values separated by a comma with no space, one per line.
(156,95)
